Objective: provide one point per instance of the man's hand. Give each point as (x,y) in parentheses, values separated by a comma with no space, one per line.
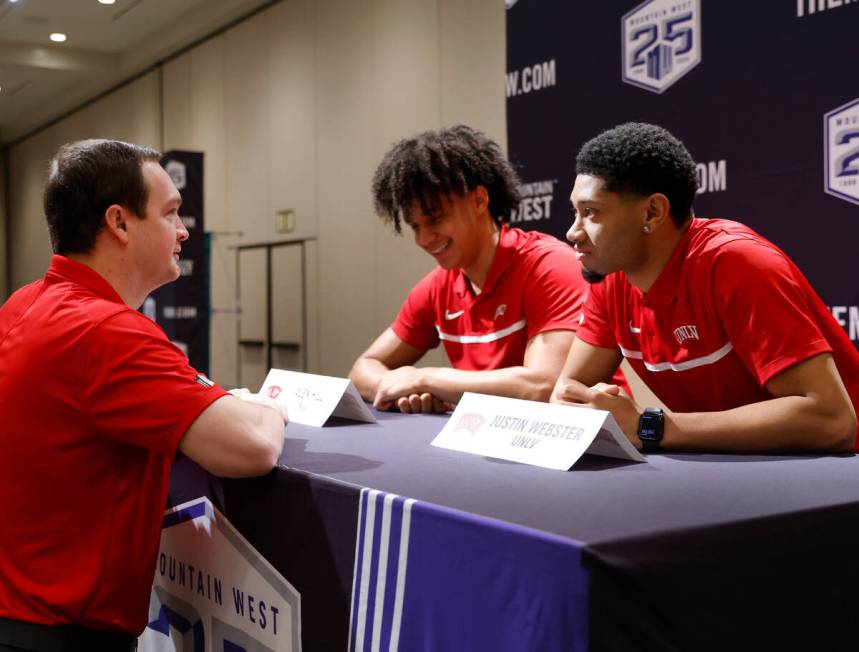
(396,384)
(245,395)
(423,403)
(402,388)
(602,396)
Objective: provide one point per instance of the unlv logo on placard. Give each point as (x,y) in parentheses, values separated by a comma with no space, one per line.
(841,158)
(661,42)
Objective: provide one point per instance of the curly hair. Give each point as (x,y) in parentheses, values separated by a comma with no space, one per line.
(642,159)
(422,169)
(85,178)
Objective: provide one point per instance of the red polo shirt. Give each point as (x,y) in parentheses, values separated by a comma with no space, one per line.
(94,400)
(534,285)
(728,312)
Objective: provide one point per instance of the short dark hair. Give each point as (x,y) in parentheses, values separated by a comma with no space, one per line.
(85,178)
(643,159)
(440,163)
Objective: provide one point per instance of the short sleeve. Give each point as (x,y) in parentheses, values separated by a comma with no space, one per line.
(141,390)
(764,308)
(554,292)
(597,323)
(415,323)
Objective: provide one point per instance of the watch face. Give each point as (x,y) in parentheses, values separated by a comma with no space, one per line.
(650,426)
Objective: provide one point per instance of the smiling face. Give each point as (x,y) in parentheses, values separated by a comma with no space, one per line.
(155,240)
(458,234)
(607,229)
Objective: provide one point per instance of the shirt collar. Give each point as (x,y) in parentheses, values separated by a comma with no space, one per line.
(508,241)
(66,269)
(664,289)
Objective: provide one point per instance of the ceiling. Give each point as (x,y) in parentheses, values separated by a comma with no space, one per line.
(106,44)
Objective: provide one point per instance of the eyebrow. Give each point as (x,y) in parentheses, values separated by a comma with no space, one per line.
(586,200)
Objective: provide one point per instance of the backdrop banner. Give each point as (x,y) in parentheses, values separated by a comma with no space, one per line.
(762,93)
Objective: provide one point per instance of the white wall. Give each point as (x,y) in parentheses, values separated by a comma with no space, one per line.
(294,108)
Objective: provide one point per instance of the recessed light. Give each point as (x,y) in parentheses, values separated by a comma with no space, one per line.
(58,37)
(107,2)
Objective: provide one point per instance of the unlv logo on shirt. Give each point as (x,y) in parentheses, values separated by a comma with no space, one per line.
(688,332)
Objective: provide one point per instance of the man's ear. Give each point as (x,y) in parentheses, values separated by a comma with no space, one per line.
(116,222)
(658,211)
(480,197)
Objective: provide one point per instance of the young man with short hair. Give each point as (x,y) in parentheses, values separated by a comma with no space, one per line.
(715,319)
(95,402)
(505,303)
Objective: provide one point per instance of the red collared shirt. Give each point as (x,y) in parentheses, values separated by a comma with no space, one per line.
(94,400)
(728,312)
(534,285)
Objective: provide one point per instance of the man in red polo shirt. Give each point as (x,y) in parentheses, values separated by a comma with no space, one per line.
(715,319)
(504,303)
(95,402)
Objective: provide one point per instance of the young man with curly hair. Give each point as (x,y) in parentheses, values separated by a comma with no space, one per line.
(505,303)
(715,319)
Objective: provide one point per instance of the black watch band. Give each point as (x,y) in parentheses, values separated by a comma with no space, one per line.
(651,427)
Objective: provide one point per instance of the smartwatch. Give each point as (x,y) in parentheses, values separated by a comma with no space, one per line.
(651,426)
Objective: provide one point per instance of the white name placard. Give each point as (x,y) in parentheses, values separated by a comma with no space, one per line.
(311,399)
(551,436)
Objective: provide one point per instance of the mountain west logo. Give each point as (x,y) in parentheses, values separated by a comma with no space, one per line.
(535,201)
(661,42)
(841,158)
(176,170)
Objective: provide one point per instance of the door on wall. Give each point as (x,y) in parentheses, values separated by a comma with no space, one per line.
(272,311)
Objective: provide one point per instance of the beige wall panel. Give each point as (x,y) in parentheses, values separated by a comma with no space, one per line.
(29,244)
(292,122)
(145,116)
(473,62)
(130,113)
(253,318)
(247,135)
(287,295)
(312,300)
(252,294)
(252,367)
(291,359)
(177,103)
(208,129)
(345,159)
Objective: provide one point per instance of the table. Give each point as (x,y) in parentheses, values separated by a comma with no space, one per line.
(686,552)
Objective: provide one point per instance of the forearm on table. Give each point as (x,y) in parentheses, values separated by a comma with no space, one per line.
(517,382)
(366,374)
(789,424)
